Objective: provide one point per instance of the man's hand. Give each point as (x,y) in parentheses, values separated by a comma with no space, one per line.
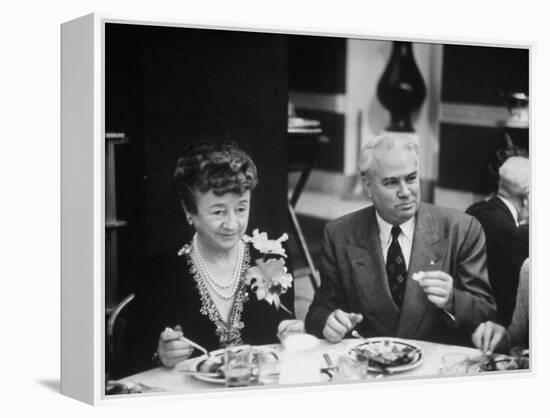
(438,287)
(488,336)
(339,323)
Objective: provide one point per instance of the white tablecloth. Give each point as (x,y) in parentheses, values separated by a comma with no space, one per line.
(174,381)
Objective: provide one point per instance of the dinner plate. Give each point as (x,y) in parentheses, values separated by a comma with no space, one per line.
(500,362)
(390,346)
(192,365)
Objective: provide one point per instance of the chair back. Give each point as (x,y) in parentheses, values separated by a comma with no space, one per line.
(113,338)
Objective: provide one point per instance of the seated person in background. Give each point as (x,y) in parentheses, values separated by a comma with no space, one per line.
(500,217)
(518,248)
(490,337)
(201,292)
(401,268)
(501,155)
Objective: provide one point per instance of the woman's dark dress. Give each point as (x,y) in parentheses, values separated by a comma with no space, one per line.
(170,296)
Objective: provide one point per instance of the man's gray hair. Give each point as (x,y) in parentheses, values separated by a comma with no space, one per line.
(514,175)
(386,140)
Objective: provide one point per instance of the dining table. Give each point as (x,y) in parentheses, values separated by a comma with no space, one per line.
(429,365)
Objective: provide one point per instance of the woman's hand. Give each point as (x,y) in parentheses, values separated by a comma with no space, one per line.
(172,349)
(489,336)
(289,326)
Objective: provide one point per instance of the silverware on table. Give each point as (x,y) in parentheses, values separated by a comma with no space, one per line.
(382,369)
(331,368)
(204,374)
(197,346)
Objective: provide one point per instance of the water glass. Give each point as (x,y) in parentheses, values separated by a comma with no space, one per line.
(454,363)
(269,368)
(349,368)
(238,365)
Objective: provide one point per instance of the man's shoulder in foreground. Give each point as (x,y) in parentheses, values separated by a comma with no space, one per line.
(446,214)
(436,213)
(352,218)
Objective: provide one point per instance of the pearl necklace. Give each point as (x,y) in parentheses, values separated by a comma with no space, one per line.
(219,289)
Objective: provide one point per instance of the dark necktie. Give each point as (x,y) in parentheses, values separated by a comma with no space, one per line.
(396,268)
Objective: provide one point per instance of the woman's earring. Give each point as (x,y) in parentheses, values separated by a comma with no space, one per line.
(190,220)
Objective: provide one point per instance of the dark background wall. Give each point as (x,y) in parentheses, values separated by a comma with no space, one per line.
(168,86)
(478,76)
(317,65)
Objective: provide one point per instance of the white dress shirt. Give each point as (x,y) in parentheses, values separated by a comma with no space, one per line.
(511,208)
(405,238)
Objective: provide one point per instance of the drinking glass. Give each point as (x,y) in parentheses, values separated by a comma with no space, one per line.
(454,363)
(350,368)
(269,368)
(238,365)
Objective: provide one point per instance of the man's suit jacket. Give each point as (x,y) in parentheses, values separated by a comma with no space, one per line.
(499,225)
(354,279)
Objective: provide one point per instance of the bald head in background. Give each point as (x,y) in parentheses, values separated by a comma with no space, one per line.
(514,175)
(513,185)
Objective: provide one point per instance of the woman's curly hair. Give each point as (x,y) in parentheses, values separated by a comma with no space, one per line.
(222,168)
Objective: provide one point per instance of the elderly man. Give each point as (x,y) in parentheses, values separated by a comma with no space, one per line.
(401,268)
(500,218)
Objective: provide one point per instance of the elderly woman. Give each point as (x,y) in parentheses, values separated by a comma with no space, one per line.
(202,290)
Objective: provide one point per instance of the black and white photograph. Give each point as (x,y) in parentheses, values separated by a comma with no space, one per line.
(287,209)
(274,209)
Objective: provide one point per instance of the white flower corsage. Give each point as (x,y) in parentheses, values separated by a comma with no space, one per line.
(269,278)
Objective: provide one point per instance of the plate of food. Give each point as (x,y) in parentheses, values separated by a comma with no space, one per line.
(388,355)
(211,368)
(501,362)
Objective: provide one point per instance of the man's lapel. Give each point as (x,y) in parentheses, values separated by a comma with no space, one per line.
(369,270)
(428,251)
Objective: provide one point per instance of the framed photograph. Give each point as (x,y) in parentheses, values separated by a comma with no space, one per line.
(248,209)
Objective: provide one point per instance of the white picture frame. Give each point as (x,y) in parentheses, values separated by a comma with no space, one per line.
(83,204)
